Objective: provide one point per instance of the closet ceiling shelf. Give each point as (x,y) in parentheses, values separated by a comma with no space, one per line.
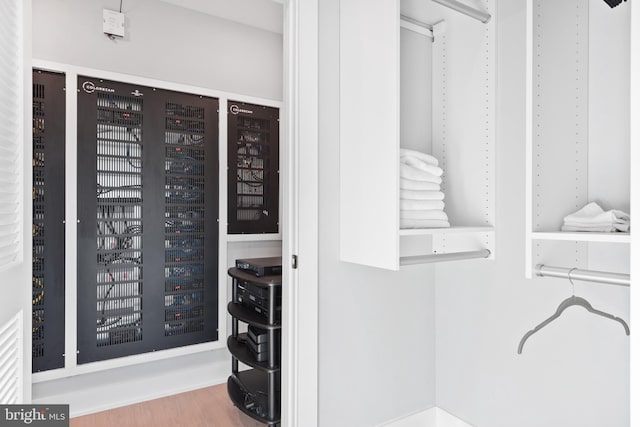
(451,230)
(582,236)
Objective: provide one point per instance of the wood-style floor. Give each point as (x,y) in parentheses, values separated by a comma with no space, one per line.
(206,407)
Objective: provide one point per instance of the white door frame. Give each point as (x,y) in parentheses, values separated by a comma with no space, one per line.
(635,207)
(300,216)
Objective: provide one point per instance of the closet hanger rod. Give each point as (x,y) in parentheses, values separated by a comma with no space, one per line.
(480,15)
(584,275)
(416,26)
(454,256)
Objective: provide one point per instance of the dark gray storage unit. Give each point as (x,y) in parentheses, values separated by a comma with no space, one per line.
(48,220)
(148,219)
(253,152)
(256,301)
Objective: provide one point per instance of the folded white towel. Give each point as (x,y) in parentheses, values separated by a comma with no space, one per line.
(425,214)
(593,218)
(412,184)
(423,223)
(427,158)
(421,195)
(601,227)
(409,172)
(423,166)
(420,205)
(593,213)
(594,224)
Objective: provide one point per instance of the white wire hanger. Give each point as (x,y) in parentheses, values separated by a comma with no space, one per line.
(571,301)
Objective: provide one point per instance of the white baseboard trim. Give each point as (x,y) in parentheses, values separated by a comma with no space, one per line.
(113,388)
(427,418)
(434,417)
(445,419)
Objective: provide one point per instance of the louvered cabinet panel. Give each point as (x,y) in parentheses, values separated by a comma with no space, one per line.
(48,194)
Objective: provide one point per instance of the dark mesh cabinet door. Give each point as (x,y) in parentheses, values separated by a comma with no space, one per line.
(148,209)
(253,150)
(190,220)
(111,261)
(48,220)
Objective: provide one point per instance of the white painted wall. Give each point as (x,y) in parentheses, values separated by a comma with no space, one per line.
(163,42)
(574,373)
(415,99)
(609,97)
(264,14)
(376,353)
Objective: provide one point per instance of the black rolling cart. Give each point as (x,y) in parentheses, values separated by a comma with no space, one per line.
(256,301)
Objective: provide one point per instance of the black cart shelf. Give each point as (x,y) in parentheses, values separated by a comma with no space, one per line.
(255,391)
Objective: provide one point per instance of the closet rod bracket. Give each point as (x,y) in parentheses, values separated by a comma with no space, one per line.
(465,9)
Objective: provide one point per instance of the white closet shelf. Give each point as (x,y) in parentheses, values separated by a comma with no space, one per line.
(582,236)
(434,96)
(267,237)
(450,230)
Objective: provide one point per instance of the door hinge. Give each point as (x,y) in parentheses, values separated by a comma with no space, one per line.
(294,261)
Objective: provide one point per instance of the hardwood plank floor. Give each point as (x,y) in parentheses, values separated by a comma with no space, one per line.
(206,407)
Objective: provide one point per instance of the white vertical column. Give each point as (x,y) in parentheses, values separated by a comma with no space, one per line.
(369,132)
(71,221)
(299,150)
(635,206)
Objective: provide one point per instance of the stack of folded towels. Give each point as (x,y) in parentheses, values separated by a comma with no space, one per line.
(421,201)
(593,218)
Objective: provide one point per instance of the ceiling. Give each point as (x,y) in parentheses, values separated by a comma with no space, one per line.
(263,14)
